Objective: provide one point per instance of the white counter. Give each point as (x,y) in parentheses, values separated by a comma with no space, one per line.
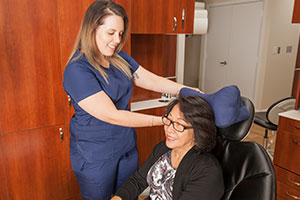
(292,114)
(148,104)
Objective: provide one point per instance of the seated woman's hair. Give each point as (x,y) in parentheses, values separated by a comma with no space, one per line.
(200,115)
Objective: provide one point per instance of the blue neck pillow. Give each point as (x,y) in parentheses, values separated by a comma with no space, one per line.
(225,103)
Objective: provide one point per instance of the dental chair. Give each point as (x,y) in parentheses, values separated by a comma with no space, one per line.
(247,169)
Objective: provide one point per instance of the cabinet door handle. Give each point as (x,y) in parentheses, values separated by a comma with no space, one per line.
(175,23)
(61,133)
(223,62)
(296,142)
(69,100)
(291,195)
(182,18)
(297,127)
(294,182)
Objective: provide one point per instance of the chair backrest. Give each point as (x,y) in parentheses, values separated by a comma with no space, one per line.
(282,105)
(247,169)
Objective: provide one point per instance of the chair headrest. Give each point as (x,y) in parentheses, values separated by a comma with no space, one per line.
(238,131)
(225,103)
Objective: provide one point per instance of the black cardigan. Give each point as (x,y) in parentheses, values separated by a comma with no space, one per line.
(199,176)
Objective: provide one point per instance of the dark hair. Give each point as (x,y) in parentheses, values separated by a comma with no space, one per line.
(200,115)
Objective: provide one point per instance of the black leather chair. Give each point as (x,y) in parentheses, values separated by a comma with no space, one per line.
(269,119)
(247,169)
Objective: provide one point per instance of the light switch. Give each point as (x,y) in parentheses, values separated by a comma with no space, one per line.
(276,50)
(289,49)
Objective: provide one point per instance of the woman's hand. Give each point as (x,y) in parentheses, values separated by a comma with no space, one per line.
(116,198)
(196,89)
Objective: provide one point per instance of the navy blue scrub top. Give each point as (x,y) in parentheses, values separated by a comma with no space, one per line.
(93,139)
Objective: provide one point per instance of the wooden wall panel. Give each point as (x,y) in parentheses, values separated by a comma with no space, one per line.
(3,188)
(30,80)
(296,81)
(156,53)
(71,13)
(126,4)
(148,137)
(296,89)
(296,12)
(35,163)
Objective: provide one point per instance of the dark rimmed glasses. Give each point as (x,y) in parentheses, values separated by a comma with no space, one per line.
(178,127)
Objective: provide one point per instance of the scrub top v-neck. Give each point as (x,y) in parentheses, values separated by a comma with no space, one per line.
(93,139)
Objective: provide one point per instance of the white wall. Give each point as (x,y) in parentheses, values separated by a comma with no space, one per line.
(275,72)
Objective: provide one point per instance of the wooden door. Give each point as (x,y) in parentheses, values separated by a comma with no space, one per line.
(239,47)
(35,163)
(162,16)
(218,42)
(30,79)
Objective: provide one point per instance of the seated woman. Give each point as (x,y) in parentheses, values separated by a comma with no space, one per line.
(181,167)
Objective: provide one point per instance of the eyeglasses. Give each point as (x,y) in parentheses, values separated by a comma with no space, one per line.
(178,127)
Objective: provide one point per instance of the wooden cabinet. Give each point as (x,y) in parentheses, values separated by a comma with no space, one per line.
(162,16)
(35,45)
(156,53)
(296,12)
(36,164)
(30,74)
(287,156)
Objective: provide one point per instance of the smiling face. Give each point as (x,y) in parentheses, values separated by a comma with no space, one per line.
(109,34)
(179,140)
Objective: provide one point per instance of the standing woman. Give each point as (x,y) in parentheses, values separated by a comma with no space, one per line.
(99,78)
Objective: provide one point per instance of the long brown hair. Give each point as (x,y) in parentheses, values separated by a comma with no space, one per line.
(86,42)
